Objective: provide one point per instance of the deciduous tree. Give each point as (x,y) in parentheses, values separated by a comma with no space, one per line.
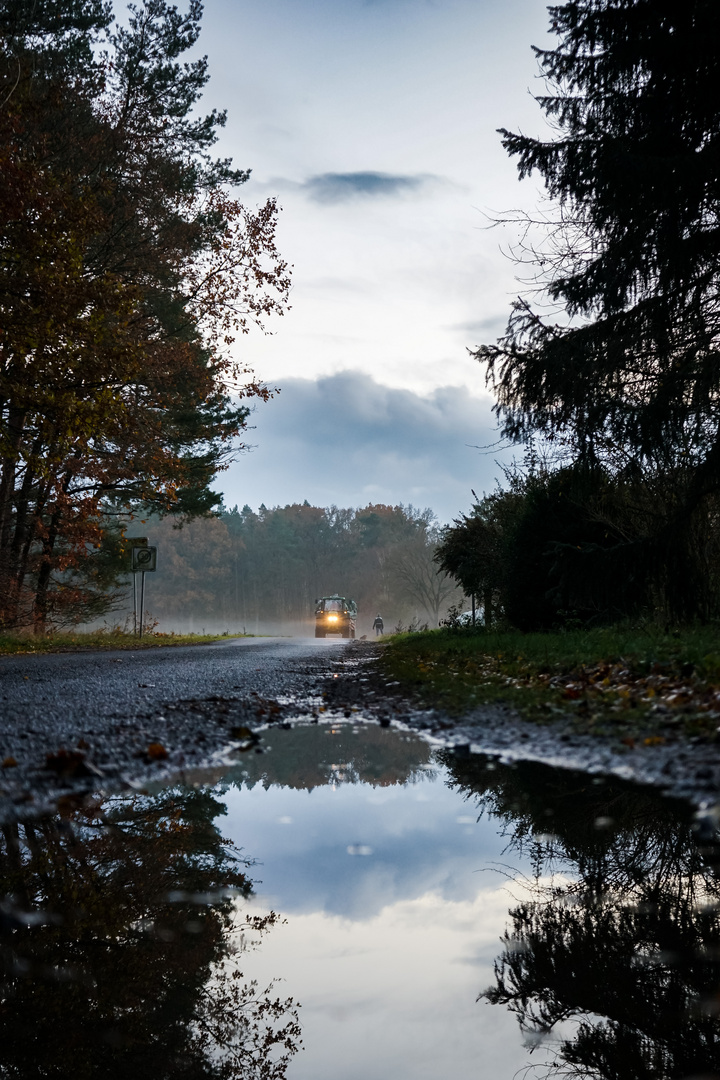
(129,268)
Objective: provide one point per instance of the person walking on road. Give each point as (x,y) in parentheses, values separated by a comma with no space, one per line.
(378,626)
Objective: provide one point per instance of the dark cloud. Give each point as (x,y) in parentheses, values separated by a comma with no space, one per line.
(483,330)
(340,187)
(348,440)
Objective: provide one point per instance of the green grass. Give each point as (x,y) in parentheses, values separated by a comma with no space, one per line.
(23,644)
(637,682)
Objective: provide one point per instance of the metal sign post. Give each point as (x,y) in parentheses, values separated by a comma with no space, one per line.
(144,560)
(142,600)
(135,542)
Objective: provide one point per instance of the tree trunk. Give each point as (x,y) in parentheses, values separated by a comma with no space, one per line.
(488,608)
(40,607)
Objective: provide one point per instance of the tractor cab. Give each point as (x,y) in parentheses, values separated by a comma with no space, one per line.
(335,615)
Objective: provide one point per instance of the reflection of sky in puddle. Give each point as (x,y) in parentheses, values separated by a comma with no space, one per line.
(117,950)
(393,912)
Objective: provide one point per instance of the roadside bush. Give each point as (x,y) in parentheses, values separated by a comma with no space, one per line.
(582,546)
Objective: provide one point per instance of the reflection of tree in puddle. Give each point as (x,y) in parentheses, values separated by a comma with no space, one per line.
(119,948)
(618,945)
(309,756)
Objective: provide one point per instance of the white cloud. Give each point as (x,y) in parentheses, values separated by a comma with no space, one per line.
(381,118)
(349,440)
(403,975)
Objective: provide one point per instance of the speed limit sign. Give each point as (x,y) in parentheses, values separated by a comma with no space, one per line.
(144,558)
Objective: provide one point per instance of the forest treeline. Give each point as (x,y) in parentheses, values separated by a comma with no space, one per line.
(127,269)
(262,571)
(609,368)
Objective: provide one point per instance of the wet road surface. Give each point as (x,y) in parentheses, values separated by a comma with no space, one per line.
(107,708)
(125,717)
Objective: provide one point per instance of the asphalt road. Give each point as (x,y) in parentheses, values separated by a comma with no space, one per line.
(97,714)
(73,723)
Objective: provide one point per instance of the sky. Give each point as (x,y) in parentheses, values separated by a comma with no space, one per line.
(374,123)
(360,875)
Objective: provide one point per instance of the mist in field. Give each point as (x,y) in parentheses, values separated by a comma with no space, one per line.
(261,572)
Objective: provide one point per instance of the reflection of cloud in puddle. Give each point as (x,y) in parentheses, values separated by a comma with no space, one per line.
(386,955)
(396,992)
(417,845)
(380,796)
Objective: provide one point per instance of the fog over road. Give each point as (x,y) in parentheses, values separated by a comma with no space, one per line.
(106,708)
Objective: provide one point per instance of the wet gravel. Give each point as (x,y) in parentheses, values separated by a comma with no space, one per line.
(682,767)
(75,723)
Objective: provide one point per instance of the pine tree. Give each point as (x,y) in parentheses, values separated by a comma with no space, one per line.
(618,354)
(632,253)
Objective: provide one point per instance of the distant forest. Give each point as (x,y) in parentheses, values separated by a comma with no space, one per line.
(262,571)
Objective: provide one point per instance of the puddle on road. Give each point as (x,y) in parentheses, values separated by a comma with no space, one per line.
(138,939)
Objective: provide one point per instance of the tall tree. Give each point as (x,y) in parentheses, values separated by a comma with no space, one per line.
(428,585)
(129,268)
(631,252)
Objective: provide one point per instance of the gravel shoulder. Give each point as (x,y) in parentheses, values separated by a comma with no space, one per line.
(687,768)
(71,723)
(76,724)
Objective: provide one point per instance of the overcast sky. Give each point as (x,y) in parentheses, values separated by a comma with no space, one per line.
(373,122)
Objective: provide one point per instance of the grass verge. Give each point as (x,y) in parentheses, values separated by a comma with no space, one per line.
(23,644)
(640,684)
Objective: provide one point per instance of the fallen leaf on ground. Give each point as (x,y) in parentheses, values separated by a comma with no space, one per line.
(242,732)
(70,763)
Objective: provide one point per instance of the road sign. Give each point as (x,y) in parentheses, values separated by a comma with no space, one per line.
(144,558)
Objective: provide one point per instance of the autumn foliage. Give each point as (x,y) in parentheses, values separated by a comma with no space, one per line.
(128,270)
(262,570)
